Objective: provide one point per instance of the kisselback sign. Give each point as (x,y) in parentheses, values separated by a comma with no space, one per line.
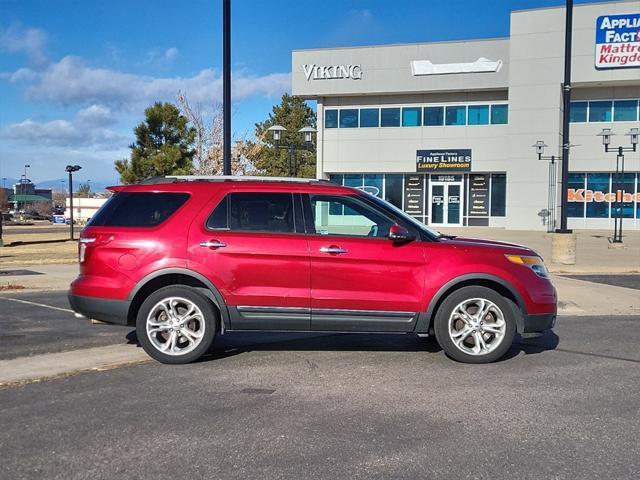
(618,41)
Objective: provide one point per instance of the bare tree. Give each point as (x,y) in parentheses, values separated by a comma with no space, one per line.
(4,200)
(208,145)
(43,208)
(59,198)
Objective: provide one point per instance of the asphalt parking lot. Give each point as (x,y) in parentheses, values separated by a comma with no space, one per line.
(329,406)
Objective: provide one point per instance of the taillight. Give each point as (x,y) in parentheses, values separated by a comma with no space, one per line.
(93,241)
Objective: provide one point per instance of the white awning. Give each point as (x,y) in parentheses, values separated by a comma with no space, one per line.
(482,65)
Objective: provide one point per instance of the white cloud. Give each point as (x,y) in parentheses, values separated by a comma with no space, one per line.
(96,115)
(71,81)
(86,129)
(171,54)
(29,41)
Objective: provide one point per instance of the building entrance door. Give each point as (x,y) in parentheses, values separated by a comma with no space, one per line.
(445,204)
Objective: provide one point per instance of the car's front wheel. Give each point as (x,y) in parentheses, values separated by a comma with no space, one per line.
(475,325)
(176,324)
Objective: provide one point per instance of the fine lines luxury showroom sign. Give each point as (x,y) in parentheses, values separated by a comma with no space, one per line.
(438,161)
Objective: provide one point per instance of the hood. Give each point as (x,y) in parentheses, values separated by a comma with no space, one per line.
(464,242)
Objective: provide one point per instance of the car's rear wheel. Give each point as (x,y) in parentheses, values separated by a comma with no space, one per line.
(475,325)
(176,324)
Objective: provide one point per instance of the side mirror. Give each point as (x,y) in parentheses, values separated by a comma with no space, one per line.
(398,234)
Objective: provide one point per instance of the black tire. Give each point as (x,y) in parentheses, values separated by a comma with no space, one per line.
(209,315)
(441,324)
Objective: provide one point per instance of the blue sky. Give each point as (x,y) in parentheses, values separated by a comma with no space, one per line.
(76,75)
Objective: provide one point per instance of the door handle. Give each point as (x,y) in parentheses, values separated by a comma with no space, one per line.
(334,249)
(213,244)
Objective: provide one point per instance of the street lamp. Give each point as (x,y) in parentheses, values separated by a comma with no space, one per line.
(24,188)
(606,135)
(70,169)
(292,147)
(552,194)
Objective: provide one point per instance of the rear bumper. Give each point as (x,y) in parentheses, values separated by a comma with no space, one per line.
(104,309)
(538,322)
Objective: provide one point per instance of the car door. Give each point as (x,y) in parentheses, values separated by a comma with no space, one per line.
(252,246)
(361,280)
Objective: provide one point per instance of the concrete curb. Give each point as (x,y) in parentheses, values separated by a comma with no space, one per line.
(23,370)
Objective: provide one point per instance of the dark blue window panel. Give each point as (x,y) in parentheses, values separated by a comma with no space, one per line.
(390,117)
(478,115)
(578,112)
(369,117)
(331,119)
(598,182)
(349,118)
(625,110)
(576,182)
(433,116)
(600,111)
(456,115)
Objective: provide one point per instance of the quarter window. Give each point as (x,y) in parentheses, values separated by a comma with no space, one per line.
(254,212)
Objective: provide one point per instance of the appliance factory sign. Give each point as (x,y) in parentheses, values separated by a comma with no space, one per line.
(438,161)
(332,72)
(618,41)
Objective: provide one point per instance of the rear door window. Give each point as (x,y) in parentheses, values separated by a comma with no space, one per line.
(254,212)
(138,209)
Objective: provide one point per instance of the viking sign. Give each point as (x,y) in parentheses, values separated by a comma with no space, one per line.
(329,72)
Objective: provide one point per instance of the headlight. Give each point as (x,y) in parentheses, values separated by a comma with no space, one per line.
(535,263)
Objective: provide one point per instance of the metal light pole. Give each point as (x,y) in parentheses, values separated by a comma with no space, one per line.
(24,188)
(566,101)
(292,147)
(226,86)
(606,135)
(552,196)
(70,169)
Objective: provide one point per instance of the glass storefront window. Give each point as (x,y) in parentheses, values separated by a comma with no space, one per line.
(390,117)
(349,118)
(578,112)
(600,111)
(625,110)
(478,114)
(373,184)
(331,119)
(411,116)
(576,183)
(598,182)
(456,115)
(433,116)
(369,117)
(499,114)
(498,194)
(393,190)
(627,186)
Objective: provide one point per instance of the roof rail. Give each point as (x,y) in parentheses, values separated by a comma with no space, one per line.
(244,178)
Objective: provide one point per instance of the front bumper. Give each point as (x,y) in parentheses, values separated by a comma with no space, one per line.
(538,322)
(104,309)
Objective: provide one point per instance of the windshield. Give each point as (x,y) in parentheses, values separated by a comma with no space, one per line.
(399,213)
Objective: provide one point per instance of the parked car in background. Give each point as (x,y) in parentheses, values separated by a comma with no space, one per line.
(186,259)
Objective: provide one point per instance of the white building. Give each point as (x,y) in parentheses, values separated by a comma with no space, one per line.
(83,208)
(445,130)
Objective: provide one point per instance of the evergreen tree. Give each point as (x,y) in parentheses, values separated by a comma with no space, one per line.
(293,114)
(163,146)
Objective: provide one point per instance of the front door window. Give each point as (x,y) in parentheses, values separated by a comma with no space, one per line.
(446,203)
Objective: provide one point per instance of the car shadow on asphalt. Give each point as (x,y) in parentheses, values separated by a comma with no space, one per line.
(236,343)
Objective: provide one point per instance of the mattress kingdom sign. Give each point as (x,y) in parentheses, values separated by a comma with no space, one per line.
(439,161)
(618,41)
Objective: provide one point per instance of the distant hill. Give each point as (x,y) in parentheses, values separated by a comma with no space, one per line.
(61,183)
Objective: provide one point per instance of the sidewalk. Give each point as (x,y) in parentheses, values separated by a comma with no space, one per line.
(592,252)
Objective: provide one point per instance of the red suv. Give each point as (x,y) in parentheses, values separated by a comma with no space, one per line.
(187,258)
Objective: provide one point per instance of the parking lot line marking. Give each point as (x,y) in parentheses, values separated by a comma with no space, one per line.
(37,304)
